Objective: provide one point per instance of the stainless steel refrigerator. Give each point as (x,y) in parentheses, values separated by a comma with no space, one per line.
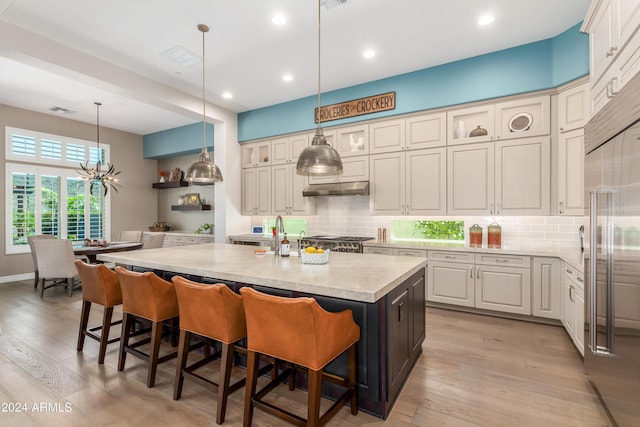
(612,254)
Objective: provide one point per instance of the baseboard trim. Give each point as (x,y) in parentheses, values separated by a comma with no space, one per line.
(17,277)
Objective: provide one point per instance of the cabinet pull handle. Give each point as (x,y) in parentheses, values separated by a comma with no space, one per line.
(478,273)
(569,271)
(449,257)
(612,51)
(471,273)
(571,293)
(400,311)
(580,280)
(561,208)
(498,209)
(491,209)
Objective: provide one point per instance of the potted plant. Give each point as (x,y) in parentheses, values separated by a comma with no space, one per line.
(162,175)
(205,229)
(181,199)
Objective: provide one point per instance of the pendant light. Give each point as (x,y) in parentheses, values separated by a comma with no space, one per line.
(320,158)
(204,171)
(96,175)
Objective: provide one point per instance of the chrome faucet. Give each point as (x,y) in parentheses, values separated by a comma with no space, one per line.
(276,237)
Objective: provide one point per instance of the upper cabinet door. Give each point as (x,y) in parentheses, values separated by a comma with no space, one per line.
(387,136)
(352,140)
(426,131)
(523,117)
(426,182)
(573,108)
(256,154)
(287,150)
(470,179)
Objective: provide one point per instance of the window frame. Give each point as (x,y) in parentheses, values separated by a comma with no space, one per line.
(39,165)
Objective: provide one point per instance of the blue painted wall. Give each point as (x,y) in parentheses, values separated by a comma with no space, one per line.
(177,141)
(535,66)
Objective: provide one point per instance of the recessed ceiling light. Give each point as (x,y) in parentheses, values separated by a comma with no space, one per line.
(227,95)
(369,53)
(279,19)
(287,78)
(485,20)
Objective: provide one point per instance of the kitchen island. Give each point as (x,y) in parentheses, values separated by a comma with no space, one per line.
(386,295)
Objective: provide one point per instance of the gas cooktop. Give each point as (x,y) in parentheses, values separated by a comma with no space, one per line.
(340,238)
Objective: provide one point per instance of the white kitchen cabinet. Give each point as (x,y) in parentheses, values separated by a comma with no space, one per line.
(387,136)
(572,315)
(503,283)
(470,179)
(418,253)
(426,131)
(451,283)
(256,191)
(255,154)
(352,140)
(546,287)
(523,118)
(504,178)
(409,183)
(288,149)
(286,189)
(377,250)
(570,176)
(518,118)
(353,169)
(573,107)
(523,176)
(470,118)
(613,47)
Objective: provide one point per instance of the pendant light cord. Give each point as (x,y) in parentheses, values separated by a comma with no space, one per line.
(319,121)
(98,128)
(204,29)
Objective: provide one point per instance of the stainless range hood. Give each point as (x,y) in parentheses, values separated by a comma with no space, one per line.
(359,188)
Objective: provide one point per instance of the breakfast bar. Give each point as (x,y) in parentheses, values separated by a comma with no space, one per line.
(386,295)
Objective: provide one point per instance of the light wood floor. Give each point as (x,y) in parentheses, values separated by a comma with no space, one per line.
(474,371)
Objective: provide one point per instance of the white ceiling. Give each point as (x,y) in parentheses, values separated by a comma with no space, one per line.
(70,53)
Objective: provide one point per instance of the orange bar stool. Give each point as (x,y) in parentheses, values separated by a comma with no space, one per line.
(215,312)
(147,296)
(300,332)
(101,286)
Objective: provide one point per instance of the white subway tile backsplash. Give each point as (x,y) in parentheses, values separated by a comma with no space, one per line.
(350,216)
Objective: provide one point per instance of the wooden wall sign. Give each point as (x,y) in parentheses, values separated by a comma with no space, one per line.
(357,107)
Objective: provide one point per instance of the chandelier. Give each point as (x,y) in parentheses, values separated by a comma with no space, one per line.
(96,175)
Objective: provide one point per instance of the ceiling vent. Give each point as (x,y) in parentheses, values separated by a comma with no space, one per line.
(181,56)
(61,110)
(330,4)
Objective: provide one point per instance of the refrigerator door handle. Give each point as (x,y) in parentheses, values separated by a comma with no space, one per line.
(607,247)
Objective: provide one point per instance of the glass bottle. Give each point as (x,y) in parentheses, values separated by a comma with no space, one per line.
(285,246)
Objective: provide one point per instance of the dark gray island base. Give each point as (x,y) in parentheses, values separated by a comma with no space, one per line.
(392,329)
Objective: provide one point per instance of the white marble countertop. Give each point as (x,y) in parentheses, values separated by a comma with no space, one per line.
(572,256)
(358,277)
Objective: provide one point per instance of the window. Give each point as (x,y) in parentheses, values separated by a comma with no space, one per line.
(45,194)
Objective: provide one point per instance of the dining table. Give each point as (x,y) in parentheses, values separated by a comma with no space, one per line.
(92,251)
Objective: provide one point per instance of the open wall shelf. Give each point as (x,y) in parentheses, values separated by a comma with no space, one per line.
(170,184)
(190,207)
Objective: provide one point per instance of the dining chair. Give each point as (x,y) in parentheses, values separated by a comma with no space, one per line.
(130,236)
(55,260)
(31,239)
(307,337)
(152,240)
(100,285)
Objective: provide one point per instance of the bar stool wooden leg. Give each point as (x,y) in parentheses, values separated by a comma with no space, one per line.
(156,337)
(250,391)
(127,324)
(183,354)
(352,360)
(84,321)
(104,337)
(315,392)
(224,390)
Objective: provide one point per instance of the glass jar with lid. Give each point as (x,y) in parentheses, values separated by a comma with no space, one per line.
(494,235)
(475,236)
